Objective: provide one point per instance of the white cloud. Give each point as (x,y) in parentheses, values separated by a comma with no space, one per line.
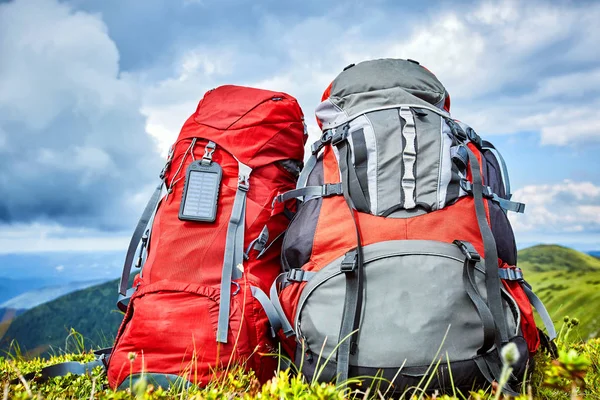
(59,268)
(36,237)
(502,62)
(561,208)
(71,130)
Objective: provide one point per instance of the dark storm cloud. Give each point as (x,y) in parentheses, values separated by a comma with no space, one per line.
(73,146)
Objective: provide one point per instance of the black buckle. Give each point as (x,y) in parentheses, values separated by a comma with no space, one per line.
(341,133)
(468,250)
(350,262)
(319,144)
(474,137)
(295,275)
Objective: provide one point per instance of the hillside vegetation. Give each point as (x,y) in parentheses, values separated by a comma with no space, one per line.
(43,329)
(567,281)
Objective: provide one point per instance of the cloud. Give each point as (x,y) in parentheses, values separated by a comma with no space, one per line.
(73,145)
(567,207)
(59,268)
(503,62)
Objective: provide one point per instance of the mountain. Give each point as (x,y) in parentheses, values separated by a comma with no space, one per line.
(55,268)
(10,288)
(44,329)
(551,257)
(594,254)
(568,282)
(33,298)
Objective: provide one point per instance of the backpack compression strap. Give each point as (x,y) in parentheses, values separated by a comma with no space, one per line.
(352,264)
(147,215)
(70,367)
(234,250)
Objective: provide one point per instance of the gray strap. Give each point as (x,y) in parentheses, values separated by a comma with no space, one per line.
(541,310)
(137,236)
(288,330)
(492,280)
(487,320)
(329,189)
(500,159)
(509,205)
(350,183)
(306,171)
(359,149)
(409,157)
(70,367)
(123,300)
(234,249)
(266,304)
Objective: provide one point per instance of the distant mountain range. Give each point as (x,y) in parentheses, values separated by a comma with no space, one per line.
(568,281)
(34,298)
(44,329)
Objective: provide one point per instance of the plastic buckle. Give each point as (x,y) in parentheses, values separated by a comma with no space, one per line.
(243,183)
(331,189)
(488,192)
(466,185)
(474,137)
(295,275)
(208,153)
(319,144)
(339,137)
(468,250)
(349,263)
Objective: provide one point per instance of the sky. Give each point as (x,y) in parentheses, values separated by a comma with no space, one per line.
(92,94)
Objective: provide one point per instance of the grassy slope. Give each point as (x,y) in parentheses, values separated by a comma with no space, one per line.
(92,312)
(567,281)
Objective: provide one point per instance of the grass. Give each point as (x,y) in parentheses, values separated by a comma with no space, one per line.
(574,375)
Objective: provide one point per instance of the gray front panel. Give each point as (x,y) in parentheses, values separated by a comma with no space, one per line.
(429,131)
(413,292)
(388,134)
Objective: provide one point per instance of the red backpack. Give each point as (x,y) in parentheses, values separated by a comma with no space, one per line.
(199,304)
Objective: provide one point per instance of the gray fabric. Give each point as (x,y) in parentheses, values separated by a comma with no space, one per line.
(270,310)
(137,236)
(387,127)
(407,309)
(541,310)
(494,298)
(400,81)
(409,158)
(234,250)
(430,151)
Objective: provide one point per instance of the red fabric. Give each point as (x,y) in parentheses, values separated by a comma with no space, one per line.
(172,318)
(528,326)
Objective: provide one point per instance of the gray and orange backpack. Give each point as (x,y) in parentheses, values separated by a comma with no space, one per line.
(401,249)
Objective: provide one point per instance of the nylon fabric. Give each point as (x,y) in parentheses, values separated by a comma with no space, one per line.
(234,250)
